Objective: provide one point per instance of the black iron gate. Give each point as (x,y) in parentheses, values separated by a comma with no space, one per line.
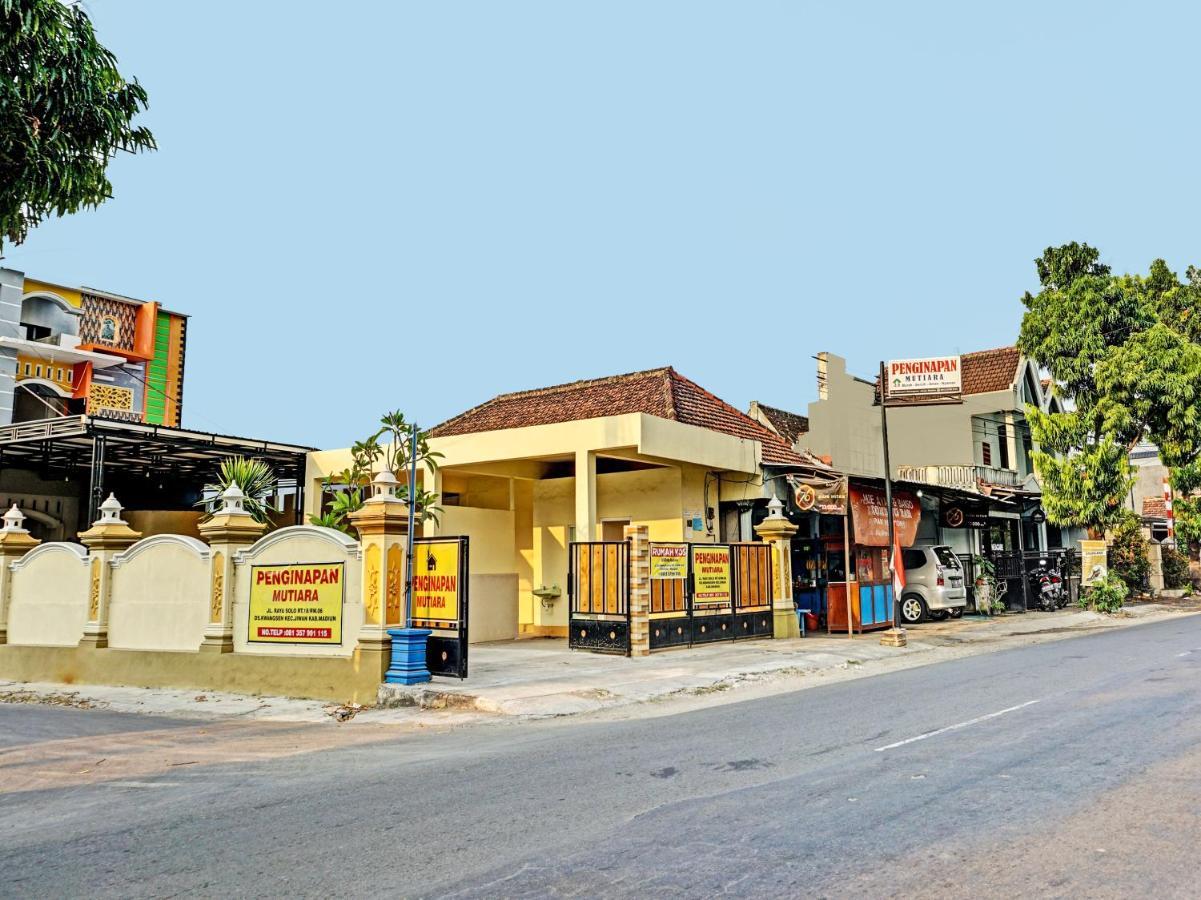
(440,602)
(598,594)
(1016,573)
(702,593)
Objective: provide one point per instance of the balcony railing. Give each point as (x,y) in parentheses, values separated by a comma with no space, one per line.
(43,429)
(966,478)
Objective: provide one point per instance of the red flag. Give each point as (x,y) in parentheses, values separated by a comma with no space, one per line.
(897,565)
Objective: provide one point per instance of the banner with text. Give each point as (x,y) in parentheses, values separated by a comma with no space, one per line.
(914,379)
(869,513)
(711,579)
(669,561)
(297,603)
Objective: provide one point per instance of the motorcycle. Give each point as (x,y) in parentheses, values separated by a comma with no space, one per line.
(1046,589)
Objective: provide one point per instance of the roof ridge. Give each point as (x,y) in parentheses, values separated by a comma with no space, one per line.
(1006,349)
(727,405)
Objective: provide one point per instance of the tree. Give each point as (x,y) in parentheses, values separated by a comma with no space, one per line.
(253,477)
(350,486)
(1122,351)
(65,112)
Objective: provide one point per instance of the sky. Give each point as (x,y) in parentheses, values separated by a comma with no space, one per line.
(417,206)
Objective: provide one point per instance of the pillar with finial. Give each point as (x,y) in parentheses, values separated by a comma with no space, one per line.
(108,536)
(383,526)
(778,532)
(15,542)
(228,530)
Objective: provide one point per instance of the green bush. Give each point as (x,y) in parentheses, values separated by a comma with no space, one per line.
(1175,568)
(1105,595)
(1128,556)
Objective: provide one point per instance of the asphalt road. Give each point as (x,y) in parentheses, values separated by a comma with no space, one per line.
(1064,769)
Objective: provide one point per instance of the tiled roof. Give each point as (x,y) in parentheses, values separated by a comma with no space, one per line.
(1155,508)
(788,425)
(657,392)
(990,370)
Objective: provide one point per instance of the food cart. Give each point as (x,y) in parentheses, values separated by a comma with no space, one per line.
(871,601)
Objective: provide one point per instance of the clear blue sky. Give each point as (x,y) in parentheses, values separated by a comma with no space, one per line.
(559,190)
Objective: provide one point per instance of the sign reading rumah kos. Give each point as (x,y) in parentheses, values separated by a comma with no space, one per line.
(915,379)
(299,603)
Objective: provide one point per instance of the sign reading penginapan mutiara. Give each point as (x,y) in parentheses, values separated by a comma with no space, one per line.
(298,603)
(938,376)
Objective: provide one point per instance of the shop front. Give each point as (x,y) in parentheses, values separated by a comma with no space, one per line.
(865,601)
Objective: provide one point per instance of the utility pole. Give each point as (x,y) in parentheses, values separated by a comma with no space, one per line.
(408,619)
(897,636)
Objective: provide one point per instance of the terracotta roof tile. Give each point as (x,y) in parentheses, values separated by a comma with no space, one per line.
(990,370)
(657,392)
(1155,508)
(788,425)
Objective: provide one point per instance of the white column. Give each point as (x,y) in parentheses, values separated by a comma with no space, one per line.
(585,495)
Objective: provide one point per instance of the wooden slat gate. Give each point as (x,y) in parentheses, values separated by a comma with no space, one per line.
(598,593)
(702,593)
(752,591)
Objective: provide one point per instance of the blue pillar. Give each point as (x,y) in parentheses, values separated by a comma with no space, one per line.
(408,656)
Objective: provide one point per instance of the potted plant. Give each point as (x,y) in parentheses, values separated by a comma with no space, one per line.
(988,600)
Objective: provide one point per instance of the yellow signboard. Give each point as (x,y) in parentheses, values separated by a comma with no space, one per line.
(1094,562)
(436,581)
(711,574)
(300,603)
(669,561)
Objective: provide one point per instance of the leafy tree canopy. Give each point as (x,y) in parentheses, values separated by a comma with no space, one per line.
(1124,355)
(65,111)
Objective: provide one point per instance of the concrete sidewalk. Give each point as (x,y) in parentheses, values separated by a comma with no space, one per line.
(539,678)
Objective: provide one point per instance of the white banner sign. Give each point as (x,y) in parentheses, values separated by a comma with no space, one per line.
(937,376)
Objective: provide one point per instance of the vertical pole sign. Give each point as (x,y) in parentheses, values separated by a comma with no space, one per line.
(930,381)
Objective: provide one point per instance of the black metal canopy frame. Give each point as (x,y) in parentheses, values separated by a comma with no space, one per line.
(151,466)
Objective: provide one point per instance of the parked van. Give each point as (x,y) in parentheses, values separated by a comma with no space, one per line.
(934,585)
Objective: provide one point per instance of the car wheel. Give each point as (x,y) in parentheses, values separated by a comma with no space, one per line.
(913,609)
(939,615)
(957,612)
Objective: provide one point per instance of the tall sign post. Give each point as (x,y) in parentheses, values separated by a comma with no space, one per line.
(931,381)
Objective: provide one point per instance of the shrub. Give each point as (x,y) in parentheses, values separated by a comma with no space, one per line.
(1128,557)
(1105,595)
(1175,568)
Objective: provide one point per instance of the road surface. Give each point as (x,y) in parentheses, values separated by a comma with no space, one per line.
(1059,770)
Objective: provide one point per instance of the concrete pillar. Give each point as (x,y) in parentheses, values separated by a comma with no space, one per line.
(227,531)
(1155,556)
(637,536)
(585,495)
(108,536)
(383,527)
(778,532)
(15,542)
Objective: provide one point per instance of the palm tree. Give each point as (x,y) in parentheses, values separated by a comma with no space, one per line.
(256,481)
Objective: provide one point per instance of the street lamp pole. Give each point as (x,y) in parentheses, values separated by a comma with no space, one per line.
(412,524)
(892,541)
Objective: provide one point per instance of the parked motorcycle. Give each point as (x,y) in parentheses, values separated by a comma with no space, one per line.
(1046,589)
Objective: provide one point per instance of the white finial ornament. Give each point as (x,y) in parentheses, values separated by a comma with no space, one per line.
(775,508)
(233,500)
(110,511)
(384,484)
(14,520)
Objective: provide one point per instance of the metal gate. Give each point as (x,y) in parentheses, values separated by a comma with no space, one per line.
(752,591)
(598,594)
(439,596)
(702,593)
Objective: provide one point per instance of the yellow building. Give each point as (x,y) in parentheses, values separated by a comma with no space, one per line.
(526,473)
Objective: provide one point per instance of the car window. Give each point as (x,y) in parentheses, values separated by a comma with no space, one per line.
(913,559)
(946,557)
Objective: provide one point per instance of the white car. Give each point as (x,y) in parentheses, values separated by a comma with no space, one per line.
(934,585)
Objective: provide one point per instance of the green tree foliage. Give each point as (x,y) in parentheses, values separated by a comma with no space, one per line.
(350,487)
(65,111)
(1128,554)
(253,477)
(1175,568)
(1123,353)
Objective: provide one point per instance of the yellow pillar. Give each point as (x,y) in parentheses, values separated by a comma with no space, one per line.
(383,527)
(15,542)
(227,531)
(108,536)
(778,531)
(585,495)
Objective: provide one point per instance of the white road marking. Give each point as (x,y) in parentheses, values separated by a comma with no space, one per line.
(956,726)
